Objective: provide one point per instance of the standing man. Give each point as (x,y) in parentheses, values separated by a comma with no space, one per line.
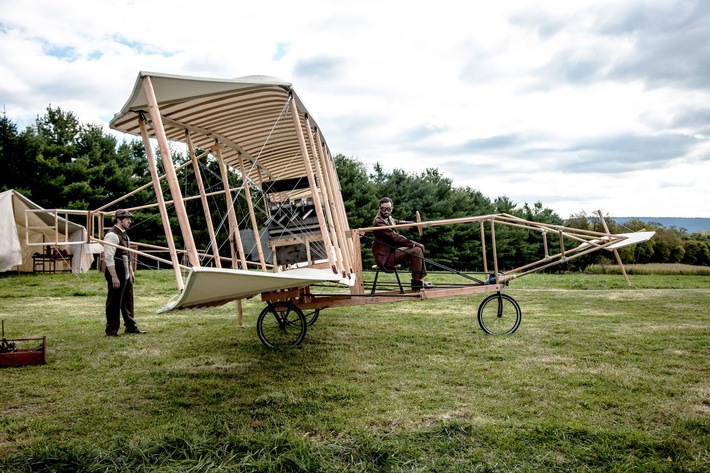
(390,248)
(120,277)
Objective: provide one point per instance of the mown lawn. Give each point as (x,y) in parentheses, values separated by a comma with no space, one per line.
(598,377)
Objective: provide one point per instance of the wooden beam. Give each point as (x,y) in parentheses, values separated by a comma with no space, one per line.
(234,236)
(161,204)
(156,120)
(326,195)
(203,199)
(495,251)
(338,207)
(314,188)
(252,216)
(483,245)
(616,253)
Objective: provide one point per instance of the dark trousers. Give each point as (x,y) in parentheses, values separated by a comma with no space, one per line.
(416,257)
(119,301)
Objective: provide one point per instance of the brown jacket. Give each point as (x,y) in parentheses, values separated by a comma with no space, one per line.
(386,241)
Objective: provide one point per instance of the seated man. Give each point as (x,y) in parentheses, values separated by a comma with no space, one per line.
(390,248)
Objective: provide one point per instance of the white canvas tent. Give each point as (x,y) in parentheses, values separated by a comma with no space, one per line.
(22,234)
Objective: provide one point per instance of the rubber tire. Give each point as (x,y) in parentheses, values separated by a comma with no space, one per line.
(281,324)
(499,314)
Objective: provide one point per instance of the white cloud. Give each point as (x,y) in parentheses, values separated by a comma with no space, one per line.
(580,105)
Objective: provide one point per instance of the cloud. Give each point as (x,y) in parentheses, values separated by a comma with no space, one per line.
(697,119)
(598,103)
(671,47)
(626,152)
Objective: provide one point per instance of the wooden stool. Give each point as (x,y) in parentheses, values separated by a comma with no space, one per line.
(377,273)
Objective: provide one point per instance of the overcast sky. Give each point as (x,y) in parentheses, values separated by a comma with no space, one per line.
(581,105)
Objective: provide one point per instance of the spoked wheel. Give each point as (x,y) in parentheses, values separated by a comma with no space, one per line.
(281,324)
(311,317)
(499,314)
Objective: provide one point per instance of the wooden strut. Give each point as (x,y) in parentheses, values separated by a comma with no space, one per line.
(174,185)
(322,191)
(589,241)
(203,199)
(148,255)
(234,236)
(483,247)
(184,199)
(312,184)
(328,201)
(616,253)
(252,215)
(339,211)
(142,188)
(359,286)
(161,204)
(495,251)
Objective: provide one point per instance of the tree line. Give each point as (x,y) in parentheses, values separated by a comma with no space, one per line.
(61,163)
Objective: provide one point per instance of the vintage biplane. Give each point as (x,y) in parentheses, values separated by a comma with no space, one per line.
(294,235)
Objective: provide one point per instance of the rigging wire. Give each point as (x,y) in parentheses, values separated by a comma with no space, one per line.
(431,262)
(294,228)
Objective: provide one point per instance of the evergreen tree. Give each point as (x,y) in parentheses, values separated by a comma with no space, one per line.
(61,163)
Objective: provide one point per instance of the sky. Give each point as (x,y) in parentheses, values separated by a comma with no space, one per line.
(580,105)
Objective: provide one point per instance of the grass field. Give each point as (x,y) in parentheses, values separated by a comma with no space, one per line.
(598,378)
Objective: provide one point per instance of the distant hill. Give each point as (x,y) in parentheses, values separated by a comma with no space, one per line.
(693,225)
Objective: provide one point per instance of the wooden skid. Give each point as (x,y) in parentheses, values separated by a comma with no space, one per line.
(306,300)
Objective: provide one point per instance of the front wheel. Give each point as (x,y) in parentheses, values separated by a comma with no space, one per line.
(499,314)
(281,324)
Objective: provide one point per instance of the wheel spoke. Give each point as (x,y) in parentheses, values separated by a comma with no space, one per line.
(281,324)
(311,317)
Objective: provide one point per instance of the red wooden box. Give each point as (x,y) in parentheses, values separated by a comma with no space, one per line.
(23,356)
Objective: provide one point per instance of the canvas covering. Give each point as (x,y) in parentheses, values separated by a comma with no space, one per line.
(207,287)
(248,116)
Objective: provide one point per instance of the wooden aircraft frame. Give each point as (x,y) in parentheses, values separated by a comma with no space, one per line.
(259,128)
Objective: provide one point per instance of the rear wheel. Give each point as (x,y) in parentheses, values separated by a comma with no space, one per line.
(281,324)
(311,317)
(499,314)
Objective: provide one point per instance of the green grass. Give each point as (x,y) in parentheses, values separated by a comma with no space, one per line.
(598,377)
(654,269)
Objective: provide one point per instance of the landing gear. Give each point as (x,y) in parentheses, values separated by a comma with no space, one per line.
(499,314)
(281,324)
